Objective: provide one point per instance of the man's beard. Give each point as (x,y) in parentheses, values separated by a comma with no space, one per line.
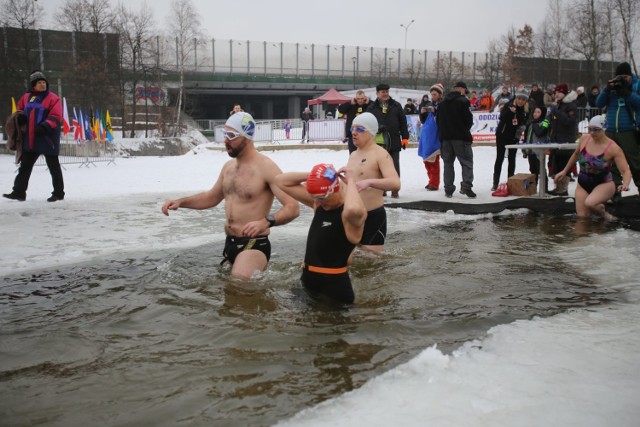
(235,152)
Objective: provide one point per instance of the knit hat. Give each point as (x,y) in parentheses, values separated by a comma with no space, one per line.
(599,122)
(623,69)
(243,123)
(367,120)
(382,86)
(322,180)
(438,88)
(562,87)
(35,76)
(522,93)
(461,84)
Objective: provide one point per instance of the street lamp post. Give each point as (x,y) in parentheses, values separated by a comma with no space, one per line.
(354,59)
(406,30)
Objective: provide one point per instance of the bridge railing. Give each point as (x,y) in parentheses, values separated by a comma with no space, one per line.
(265,58)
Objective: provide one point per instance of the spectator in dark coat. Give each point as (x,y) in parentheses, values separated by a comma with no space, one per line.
(409,107)
(391,121)
(581,100)
(537,95)
(454,120)
(563,129)
(306,116)
(352,109)
(513,118)
(591,98)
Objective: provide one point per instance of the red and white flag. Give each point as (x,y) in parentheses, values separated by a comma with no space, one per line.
(66,128)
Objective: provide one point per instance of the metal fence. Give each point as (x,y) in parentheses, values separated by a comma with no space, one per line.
(83,153)
(273,131)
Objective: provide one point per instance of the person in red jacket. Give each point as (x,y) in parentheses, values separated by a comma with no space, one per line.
(40,135)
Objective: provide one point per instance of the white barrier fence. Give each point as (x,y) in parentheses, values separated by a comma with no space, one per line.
(273,132)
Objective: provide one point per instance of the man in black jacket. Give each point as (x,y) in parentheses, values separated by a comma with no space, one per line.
(454,120)
(391,121)
(358,105)
(513,118)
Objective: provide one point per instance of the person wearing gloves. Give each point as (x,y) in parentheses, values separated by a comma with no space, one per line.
(393,133)
(513,118)
(595,154)
(40,135)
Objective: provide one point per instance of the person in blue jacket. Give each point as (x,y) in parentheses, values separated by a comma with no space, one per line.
(621,96)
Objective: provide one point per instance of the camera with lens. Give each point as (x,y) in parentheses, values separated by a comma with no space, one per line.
(617,83)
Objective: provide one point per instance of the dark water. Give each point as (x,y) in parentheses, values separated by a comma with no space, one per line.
(166,338)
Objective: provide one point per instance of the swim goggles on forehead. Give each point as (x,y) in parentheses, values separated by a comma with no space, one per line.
(327,194)
(359,129)
(230,134)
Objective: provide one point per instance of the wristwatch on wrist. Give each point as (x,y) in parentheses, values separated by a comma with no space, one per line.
(271,219)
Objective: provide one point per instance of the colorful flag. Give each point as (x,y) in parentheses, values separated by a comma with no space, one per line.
(77,127)
(81,136)
(65,118)
(13,105)
(108,127)
(103,130)
(95,127)
(86,121)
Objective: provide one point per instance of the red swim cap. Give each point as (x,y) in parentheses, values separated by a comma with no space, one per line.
(322,180)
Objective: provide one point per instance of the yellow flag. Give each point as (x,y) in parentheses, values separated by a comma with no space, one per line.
(13,105)
(108,127)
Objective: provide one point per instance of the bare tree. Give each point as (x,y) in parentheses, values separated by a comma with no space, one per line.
(96,16)
(24,14)
(448,68)
(556,31)
(491,68)
(587,34)
(185,25)
(629,12)
(135,30)
(72,16)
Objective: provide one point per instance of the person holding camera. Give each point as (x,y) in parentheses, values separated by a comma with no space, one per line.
(352,109)
(621,96)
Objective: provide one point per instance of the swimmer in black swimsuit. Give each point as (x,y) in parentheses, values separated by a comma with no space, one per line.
(375,227)
(247,185)
(234,245)
(335,230)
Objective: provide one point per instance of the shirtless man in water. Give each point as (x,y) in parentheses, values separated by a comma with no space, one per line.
(246,184)
(373,170)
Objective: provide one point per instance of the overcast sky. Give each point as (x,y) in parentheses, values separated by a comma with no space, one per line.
(459,25)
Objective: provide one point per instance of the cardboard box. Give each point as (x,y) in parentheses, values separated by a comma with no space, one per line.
(522,184)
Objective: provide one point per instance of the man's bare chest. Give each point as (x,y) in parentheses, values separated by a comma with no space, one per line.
(244,183)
